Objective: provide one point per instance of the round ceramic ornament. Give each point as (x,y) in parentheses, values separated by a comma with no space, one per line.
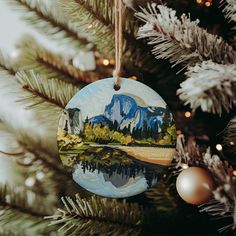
(117,143)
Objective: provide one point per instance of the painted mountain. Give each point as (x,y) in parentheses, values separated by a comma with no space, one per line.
(124,114)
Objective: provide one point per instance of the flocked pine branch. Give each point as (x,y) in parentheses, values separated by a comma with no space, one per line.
(223,204)
(22,212)
(98,215)
(35,57)
(49,20)
(230,10)
(181,40)
(209,86)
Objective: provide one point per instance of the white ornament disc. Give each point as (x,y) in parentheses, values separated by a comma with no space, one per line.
(117,143)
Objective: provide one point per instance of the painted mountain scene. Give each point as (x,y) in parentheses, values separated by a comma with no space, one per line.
(122,150)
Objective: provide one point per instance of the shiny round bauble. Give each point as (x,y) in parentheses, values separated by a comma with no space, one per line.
(195,185)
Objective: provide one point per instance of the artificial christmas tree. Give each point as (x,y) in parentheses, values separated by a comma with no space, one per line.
(165,47)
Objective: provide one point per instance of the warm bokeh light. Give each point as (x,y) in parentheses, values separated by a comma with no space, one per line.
(219,147)
(105,62)
(185,166)
(208,4)
(112,61)
(187,114)
(234,172)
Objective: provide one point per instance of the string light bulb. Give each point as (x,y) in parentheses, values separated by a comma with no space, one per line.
(219,147)
(206,3)
(105,62)
(187,114)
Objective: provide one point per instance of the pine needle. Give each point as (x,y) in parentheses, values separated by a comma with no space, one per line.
(162,199)
(98,215)
(24,200)
(230,135)
(96,20)
(181,40)
(210,86)
(49,20)
(230,10)
(54,91)
(34,128)
(35,57)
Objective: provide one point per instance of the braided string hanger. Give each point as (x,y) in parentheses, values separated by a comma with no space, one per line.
(119,9)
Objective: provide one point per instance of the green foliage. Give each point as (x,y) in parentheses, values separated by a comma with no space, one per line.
(98,216)
(17,223)
(68,141)
(54,91)
(99,133)
(161,193)
(103,134)
(95,18)
(22,212)
(34,56)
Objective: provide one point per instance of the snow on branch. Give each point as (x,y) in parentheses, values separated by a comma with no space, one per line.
(230,10)
(210,86)
(181,40)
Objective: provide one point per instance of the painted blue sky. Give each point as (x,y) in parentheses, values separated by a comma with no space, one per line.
(93,98)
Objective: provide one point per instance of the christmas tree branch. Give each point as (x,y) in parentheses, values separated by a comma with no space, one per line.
(6,64)
(181,40)
(39,132)
(17,151)
(22,212)
(98,215)
(96,19)
(35,57)
(49,20)
(230,10)
(210,86)
(223,204)
(54,91)
(20,198)
(14,222)
(162,199)
(230,135)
